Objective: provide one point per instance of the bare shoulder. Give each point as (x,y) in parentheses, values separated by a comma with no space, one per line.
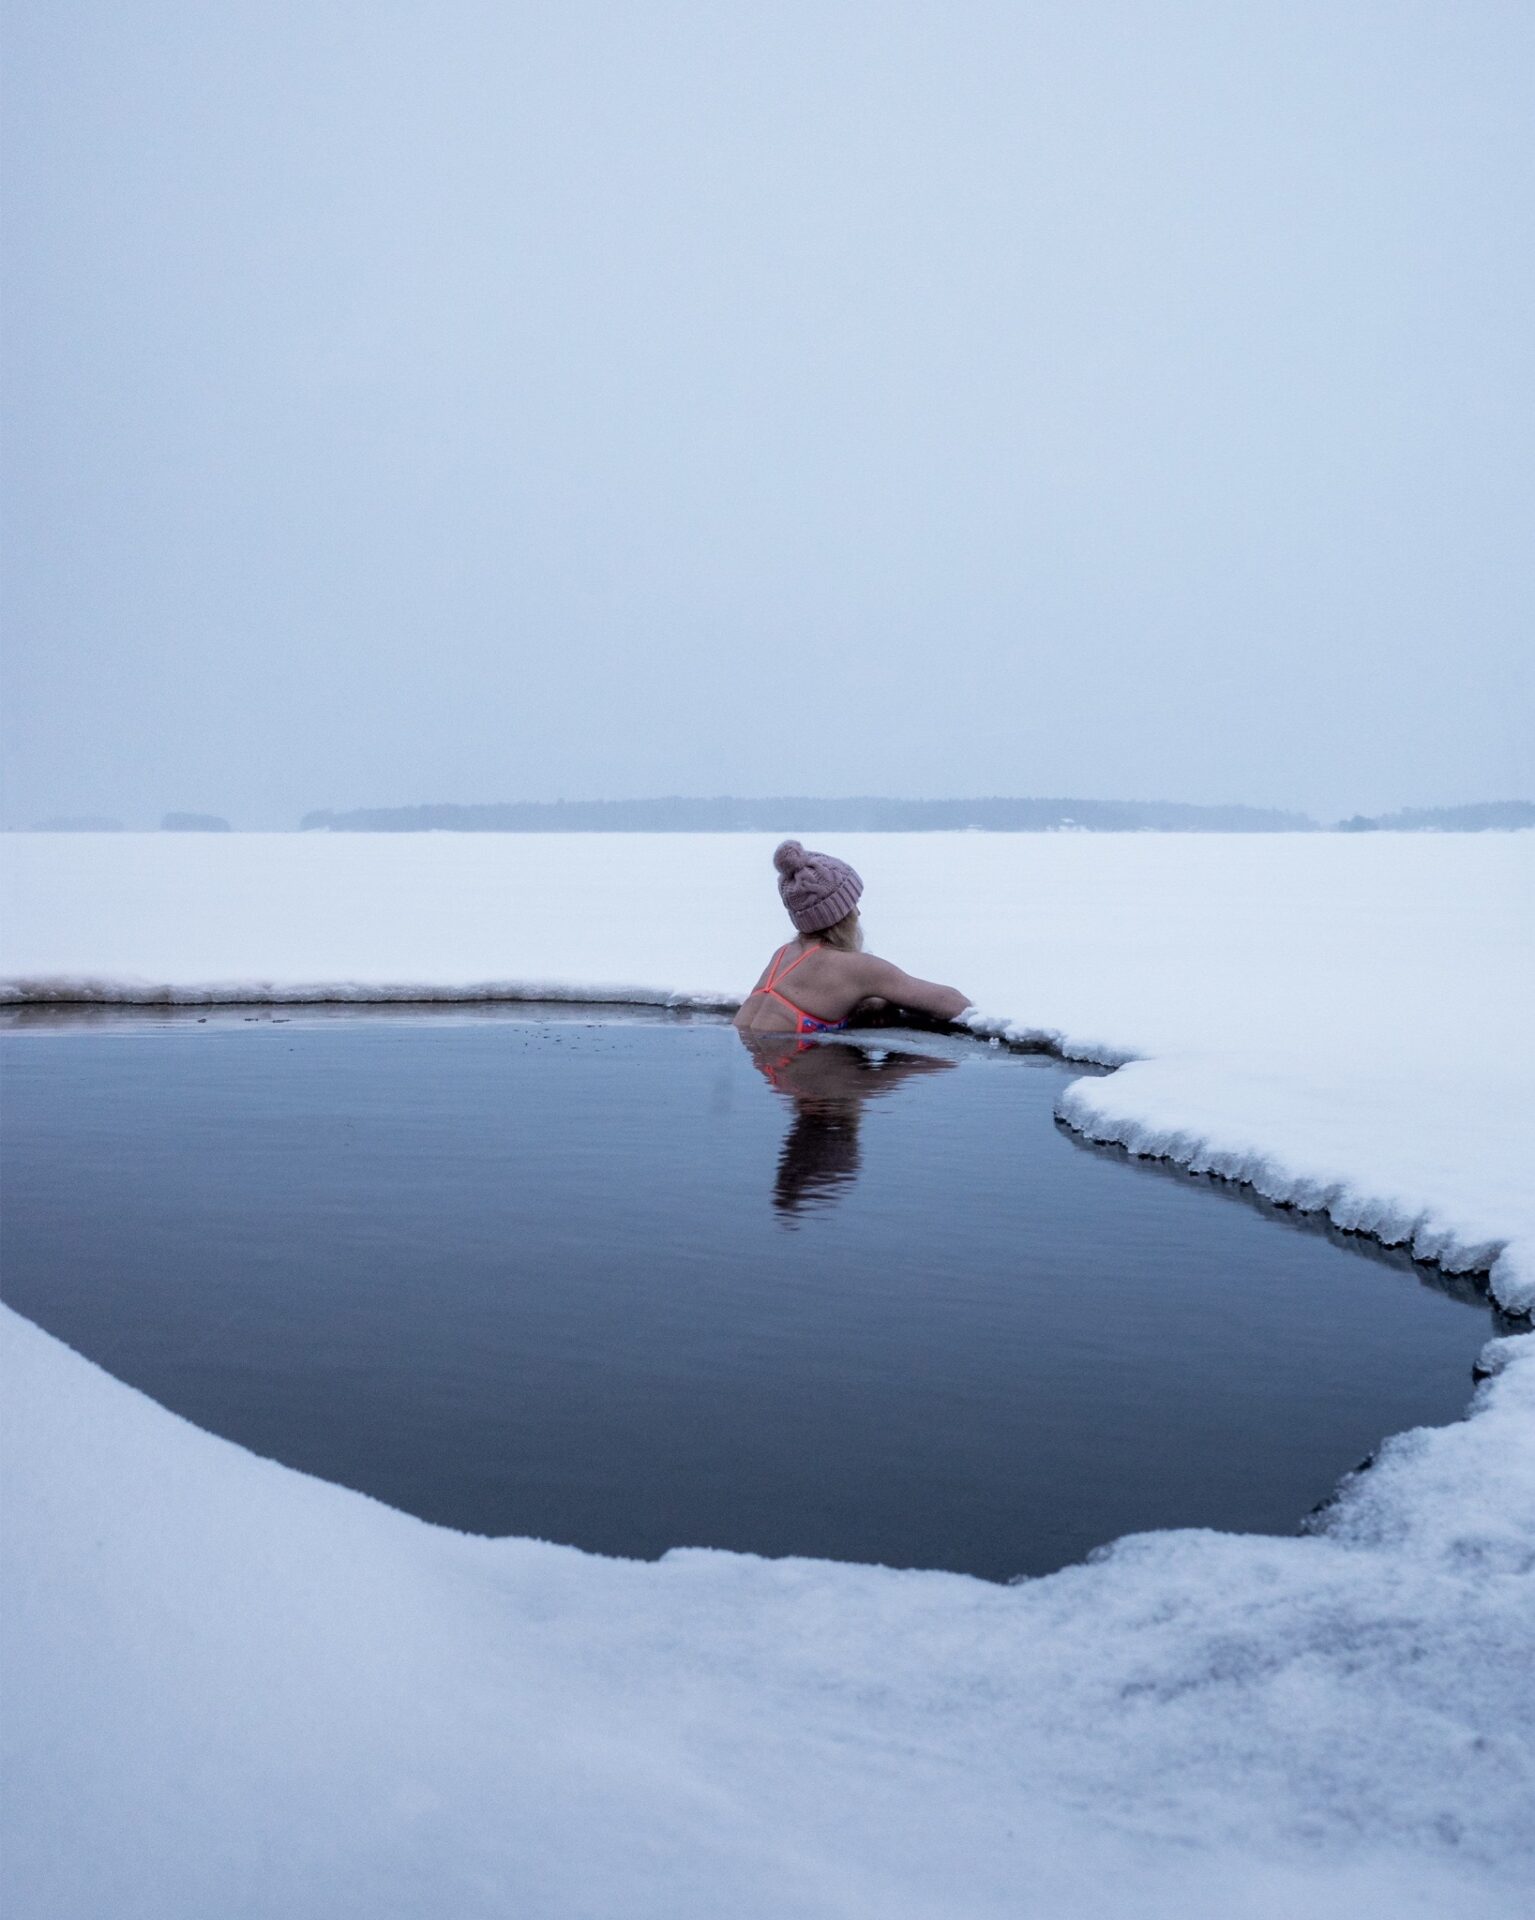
(875,975)
(883,979)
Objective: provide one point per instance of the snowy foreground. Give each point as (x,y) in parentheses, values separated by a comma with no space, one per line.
(235,1690)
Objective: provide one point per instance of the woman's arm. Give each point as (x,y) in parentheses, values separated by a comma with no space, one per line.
(880,980)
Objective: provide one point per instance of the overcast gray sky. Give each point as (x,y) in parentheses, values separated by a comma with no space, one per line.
(475,401)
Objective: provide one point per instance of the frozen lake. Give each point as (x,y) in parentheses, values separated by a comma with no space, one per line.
(621,1283)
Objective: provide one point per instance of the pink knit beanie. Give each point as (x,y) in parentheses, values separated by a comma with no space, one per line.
(817,889)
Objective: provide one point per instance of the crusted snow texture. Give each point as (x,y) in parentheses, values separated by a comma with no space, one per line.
(1193,1114)
(236,1690)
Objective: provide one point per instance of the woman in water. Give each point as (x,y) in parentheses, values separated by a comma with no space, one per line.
(823,976)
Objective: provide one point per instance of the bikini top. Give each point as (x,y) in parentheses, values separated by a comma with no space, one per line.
(803,1022)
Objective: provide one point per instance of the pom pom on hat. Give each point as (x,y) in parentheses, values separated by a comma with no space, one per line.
(817,889)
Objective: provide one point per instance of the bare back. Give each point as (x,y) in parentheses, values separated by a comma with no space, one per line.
(829,984)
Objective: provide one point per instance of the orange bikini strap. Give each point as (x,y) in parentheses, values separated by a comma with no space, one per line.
(770,985)
(774,976)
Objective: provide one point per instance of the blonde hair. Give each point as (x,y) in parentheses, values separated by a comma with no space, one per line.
(846,935)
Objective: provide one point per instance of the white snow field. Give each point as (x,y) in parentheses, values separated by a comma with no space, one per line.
(234,1690)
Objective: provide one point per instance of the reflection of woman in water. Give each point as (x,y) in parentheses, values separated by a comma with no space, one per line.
(828,1084)
(832,977)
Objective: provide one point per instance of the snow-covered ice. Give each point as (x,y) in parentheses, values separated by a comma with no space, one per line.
(232,1689)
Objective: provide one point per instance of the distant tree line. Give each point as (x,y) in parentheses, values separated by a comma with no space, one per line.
(102,823)
(812,815)
(1480,817)
(869,814)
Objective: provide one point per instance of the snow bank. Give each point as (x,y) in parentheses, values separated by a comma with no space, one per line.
(238,1691)
(234,1690)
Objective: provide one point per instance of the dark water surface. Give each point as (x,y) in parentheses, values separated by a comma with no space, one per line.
(601,1281)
